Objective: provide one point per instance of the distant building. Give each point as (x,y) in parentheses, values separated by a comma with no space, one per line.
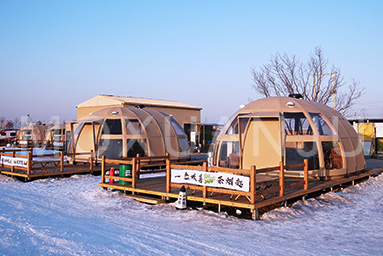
(370,131)
(184,114)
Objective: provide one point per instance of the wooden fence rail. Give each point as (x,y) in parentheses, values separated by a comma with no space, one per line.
(252,173)
(136,162)
(40,164)
(257,177)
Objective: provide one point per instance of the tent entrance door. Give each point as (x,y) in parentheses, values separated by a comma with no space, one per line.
(262,143)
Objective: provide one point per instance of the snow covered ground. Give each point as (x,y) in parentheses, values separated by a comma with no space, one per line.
(73,216)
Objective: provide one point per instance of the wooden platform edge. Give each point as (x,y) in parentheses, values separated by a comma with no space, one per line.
(52,174)
(175,195)
(257,205)
(137,190)
(146,199)
(325,185)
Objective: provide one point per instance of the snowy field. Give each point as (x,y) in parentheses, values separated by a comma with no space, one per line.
(73,216)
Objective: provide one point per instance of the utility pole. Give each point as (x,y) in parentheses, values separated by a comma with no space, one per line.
(332,91)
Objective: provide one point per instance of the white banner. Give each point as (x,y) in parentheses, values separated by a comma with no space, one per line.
(211,179)
(58,144)
(379,130)
(14,161)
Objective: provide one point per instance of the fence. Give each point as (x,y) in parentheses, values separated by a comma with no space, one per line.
(39,165)
(252,174)
(137,163)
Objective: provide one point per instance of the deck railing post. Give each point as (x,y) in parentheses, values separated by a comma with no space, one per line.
(204,191)
(103,169)
(61,161)
(91,159)
(134,172)
(29,163)
(306,172)
(138,162)
(253,178)
(2,153)
(13,156)
(168,175)
(72,142)
(281,179)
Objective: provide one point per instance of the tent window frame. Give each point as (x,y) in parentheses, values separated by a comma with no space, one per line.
(296,124)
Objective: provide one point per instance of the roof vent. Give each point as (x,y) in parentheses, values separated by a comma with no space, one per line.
(140,106)
(290,104)
(296,95)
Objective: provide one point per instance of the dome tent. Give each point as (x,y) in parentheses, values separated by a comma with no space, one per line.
(55,137)
(283,129)
(120,132)
(31,135)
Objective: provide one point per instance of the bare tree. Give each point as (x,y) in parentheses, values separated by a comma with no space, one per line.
(314,79)
(9,124)
(2,121)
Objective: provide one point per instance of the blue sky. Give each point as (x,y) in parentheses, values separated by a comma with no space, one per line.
(57,54)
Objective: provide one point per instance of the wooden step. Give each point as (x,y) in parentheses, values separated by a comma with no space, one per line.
(146,199)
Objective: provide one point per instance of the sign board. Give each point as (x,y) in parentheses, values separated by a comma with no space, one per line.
(14,161)
(379,130)
(58,144)
(211,179)
(23,142)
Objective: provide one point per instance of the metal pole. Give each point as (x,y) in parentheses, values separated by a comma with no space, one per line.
(314,92)
(334,90)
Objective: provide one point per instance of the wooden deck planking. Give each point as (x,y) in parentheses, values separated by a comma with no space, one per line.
(52,172)
(270,196)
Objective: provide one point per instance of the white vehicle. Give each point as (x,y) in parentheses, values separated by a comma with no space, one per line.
(8,135)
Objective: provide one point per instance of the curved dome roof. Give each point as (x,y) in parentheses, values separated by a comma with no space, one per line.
(274,105)
(343,132)
(161,132)
(279,104)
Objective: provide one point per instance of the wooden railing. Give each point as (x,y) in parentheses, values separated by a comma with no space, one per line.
(36,165)
(137,163)
(252,173)
(92,158)
(13,154)
(281,168)
(205,189)
(132,162)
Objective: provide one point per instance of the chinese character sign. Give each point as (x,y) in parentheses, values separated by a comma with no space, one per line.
(211,179)
(14,161)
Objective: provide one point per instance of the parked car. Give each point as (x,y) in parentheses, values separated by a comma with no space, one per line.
(8,136)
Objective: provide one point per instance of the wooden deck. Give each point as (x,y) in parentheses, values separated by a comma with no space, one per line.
(32,166)
(267,191)
(51,172)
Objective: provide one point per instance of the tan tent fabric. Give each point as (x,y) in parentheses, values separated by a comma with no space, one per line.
(290,130)
(56,133)
(55,137)
(120,132)
(31,135)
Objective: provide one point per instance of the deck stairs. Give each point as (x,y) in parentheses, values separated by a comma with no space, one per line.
(146,199)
